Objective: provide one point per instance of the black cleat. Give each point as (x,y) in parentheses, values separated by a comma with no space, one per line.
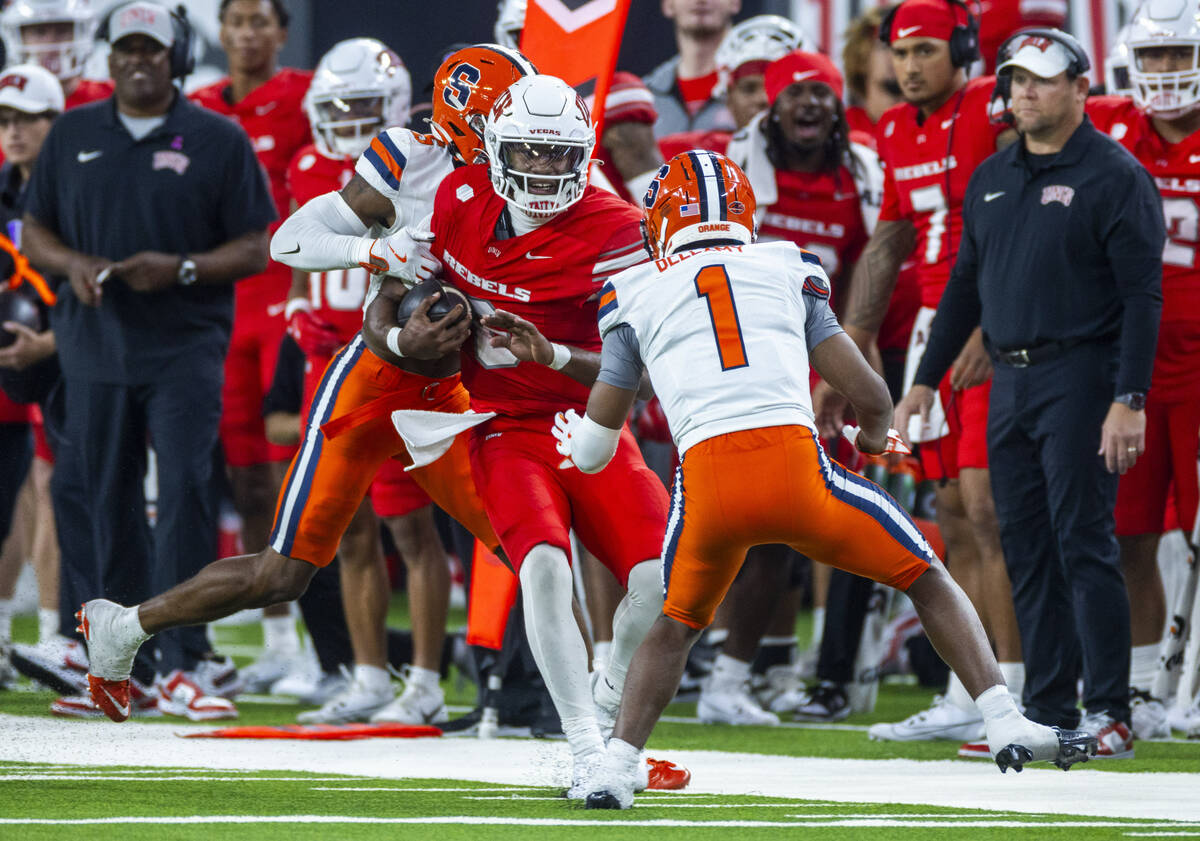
(602,800)
(1013,756)
(1074,746)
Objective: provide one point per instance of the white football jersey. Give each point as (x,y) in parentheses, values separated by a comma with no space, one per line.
(722,333)
(407,169)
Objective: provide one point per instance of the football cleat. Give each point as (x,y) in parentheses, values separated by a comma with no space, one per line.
(143,703)
(1073,746)
(943,720)
(582,772)
(357,702)
(826,702)
(732,707)
(1148,717)
(179,695)
(8,675)
(58,663)
(974,750)
(219,677)
(606,800)
(415,705)
(666,775)
(1113,737)
(112,697)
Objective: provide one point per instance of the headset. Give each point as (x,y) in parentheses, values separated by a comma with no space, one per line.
(964,38)
(181,58)
(1080,63)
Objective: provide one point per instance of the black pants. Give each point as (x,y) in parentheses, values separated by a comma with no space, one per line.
(1054,502)
(112,425)
(16,454)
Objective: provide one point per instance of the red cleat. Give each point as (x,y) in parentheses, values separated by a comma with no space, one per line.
(111,696)
(667,776)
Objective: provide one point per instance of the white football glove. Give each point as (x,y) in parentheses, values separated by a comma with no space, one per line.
(895,444)
(564,427)
(404,254)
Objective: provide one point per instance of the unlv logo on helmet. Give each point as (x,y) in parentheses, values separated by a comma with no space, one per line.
(463,79)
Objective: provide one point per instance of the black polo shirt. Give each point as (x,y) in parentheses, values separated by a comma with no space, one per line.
(1056,249)
(189,186)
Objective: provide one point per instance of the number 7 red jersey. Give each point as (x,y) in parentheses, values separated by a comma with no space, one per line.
(550,276)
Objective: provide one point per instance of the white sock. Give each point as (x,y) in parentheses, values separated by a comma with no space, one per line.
(371,677)
(1005,725)
(47,624)
(957,694)
(6,612)
(996,703)
(1143,663)
(632,620)
(279,635)
(729,673)
(130,623)
(622,756)
(716,636)
(557,646)
(1014,677)
(600,654)
(427,679)
(818,632)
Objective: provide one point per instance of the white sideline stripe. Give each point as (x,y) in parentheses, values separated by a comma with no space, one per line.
(874,821)
(421,788)
(174,778)
(1164,834)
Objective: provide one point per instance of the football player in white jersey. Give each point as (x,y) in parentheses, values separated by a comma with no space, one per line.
(726,330)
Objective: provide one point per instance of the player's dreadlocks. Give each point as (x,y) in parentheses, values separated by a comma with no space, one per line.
(837,147)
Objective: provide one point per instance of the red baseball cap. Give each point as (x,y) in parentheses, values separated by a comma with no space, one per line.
(629,101)
(799,66)
(927,19)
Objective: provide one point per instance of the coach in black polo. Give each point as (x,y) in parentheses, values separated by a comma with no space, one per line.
(1061,263)
(150,207)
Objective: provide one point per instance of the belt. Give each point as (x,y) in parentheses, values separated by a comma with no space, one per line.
(1024,357)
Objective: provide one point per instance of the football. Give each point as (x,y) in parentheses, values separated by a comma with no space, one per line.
(15,306)
(450,299)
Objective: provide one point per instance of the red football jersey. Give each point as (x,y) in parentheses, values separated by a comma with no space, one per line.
(337,295)
(926,159)
(1176,171)
(273,116)
(714,141)
(89,90)
(1001,18)
(550,276)
(858,120)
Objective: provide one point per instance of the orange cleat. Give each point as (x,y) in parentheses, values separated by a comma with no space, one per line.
(667,776)
(111,696)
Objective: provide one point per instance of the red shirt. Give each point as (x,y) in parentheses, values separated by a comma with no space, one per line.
(925,159)
(858,121)
(273,116)
(337,295)
(1176,171)
(714,141)
(697,91)
(550,276)
(1001,18)
(89,90)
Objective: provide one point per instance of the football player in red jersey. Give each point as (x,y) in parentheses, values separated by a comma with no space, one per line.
(267,102)
(1160,126)
(359,89)
(60,36)
(525,234)
(930,144)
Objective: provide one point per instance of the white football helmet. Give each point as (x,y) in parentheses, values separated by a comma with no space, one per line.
(510,20)
(761,38)
(1165,23)
(1116,66)
(64,58)
(359,88)
(539,139)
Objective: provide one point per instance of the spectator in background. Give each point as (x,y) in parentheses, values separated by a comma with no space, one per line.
(870,78)
(685,86)
(627,149)
(60,36)
(150,208)
(267,102)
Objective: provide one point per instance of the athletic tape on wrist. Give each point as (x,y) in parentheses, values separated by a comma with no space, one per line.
(562,355)
(393,341)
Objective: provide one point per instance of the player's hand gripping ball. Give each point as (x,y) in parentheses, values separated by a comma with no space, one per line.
(19,309)
(440,308)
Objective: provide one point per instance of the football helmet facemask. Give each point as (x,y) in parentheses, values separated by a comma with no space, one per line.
(359,88)
(464,89)
(539,139)
(510,20)
(67,57)
(1116,66)
(696,196)
(762,38)
(1171,25)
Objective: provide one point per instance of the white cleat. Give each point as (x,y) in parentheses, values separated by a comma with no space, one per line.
(783,690)
(735,707)
(415,705)
(180,695)
(943,720)
(582,772)
(270,668)
(609,788)
(354,703)
(1149,717)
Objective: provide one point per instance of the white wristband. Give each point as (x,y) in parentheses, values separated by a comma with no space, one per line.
(562,355)
(393,341)
(295,304)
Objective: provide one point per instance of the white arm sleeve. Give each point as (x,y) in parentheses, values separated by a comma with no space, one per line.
(593,445)
(323,234)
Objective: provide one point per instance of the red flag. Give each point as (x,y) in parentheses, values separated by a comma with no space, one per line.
(578,41)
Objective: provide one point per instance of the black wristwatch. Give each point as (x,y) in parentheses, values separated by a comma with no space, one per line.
(187,271)
(1135,400)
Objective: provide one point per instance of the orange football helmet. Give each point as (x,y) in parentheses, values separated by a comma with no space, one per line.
(464,88)
(697,195)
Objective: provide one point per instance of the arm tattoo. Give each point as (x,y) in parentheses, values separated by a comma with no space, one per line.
(875,274)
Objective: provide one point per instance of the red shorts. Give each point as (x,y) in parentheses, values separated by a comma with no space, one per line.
(41,447)
(1169,463)
(534,495)
(329,476)
(966,443)
(776,485)
(249,369)
(394,492)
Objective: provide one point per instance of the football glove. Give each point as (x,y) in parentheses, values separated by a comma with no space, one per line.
(565,424)
(404,254)
(314,335)
(895,444)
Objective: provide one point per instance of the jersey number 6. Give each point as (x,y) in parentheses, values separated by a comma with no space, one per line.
(712,284)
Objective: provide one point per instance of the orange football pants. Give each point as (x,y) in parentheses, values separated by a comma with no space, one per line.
(329,476)
(776,485)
